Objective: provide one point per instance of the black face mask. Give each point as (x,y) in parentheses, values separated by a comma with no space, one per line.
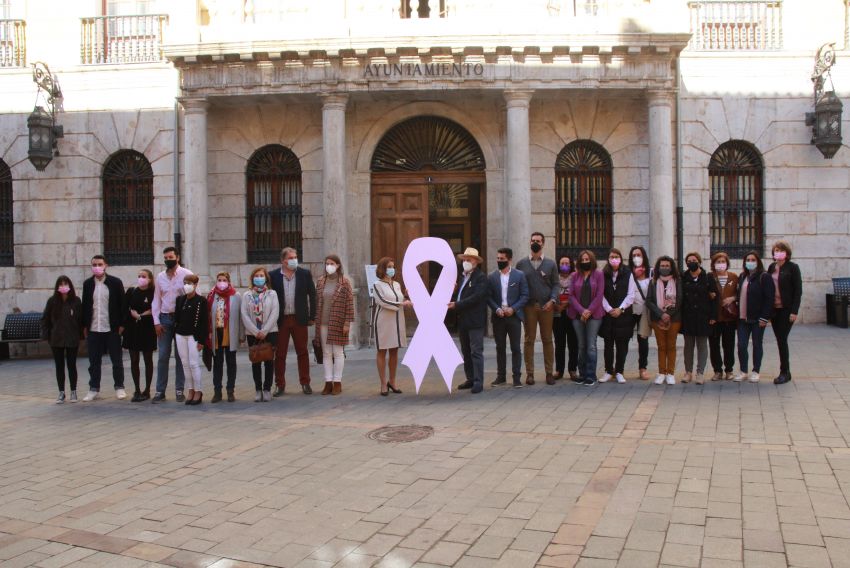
(693,266)
(170,264)
(665,271)
(585,265)
(535,247)
(502,264)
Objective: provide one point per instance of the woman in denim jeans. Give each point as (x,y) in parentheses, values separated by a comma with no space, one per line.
(586,312)
(755,306)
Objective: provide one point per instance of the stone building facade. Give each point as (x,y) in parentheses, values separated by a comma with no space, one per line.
(351,127)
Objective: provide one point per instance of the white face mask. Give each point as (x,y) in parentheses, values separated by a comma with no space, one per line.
(720,267)
(188,288)
(467,266)
(330,269)
(637,261)
(292,263)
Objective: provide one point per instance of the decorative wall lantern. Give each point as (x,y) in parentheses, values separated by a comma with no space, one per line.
(43,130)
(826,120)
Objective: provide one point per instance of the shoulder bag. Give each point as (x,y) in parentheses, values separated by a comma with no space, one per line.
(260,352)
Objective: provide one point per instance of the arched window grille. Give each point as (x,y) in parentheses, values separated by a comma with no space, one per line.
(427,143)
(7,241)
(736,174)
(583,196)
(273,180)
(128,209)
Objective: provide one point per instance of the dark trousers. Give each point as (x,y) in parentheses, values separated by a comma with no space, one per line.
(745,329)
(643,345)
(781,328)
(63,356)
(99,344)
(136,372)
(290,328)
(615,363)
(258,368)
(723,336)
(565,342)
(222,355)
(504,328)
(472,348)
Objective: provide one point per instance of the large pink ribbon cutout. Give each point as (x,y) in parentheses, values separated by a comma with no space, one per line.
(431,337)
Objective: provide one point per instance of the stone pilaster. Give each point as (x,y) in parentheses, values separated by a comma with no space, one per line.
(333,175)
(661,203)
(195,253)
(517,224)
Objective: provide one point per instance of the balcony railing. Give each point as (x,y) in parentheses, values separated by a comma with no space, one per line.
(13,43)
(736,25)
(122,39)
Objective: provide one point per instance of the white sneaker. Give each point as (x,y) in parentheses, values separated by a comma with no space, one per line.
(671,379)
(267,396)
(92,395)
(659,380)
(120,394)
(620,378)
(605,378)
(258,396)
(700,379)
(754,377)
(740,377)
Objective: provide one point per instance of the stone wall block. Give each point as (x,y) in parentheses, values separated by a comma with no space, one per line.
(125,125)
(151,124)
(631,201)
(542,178)
(584,111)
(80,155)
(223,161)
(544,138)
(311,182)
(228,251)
(226,207)
(829,199)
(545,223)
(312,227)
(228,184)
(308,148)
(625,135)
(163,187)
(160,152)
(49,211)
(781,178)
(829,178)
(711,113)
(697,136)
(630,155)
(16,158)
(222,136)
(543,201)
(101,126)
(629,178)
(611,113)
(832,223)
(786,200)
(760,115)
(736,108)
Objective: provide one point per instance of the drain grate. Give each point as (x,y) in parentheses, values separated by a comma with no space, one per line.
(395,434)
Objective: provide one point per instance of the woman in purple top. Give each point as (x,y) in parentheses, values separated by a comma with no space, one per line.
(586,312)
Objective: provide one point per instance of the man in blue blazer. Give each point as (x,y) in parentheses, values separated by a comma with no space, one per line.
(470,304)
(508,295)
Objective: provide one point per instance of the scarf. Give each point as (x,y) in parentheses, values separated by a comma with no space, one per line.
(226,294)
(665,297)
(639,271)
(256,298)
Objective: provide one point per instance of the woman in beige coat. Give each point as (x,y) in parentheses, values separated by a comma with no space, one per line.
(388,322)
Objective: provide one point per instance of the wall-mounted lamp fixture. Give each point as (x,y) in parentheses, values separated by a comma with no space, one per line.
(41,123)
(826,120)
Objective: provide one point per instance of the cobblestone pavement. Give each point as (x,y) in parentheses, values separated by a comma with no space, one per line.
(630,475)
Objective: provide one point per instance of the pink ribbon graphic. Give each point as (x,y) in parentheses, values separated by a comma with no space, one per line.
(431,339)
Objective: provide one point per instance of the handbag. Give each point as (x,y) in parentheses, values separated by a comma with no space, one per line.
(731,310)
(261,352)
(317,351)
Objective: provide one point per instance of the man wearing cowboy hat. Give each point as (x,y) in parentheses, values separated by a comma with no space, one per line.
(470,304)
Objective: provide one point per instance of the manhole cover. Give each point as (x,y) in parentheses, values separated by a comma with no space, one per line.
(410,433)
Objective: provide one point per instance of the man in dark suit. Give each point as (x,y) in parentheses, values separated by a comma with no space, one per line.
(296,295)
(470,304)
(103,313)
(507,298)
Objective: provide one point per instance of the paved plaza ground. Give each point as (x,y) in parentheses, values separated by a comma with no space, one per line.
(632,475)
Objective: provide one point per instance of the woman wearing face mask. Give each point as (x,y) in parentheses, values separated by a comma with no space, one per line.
(756,296)
(62,325)
(664,302)
(260,309)
(191,328)
(388,322)
(788,285)
(225,330)
(699,312)
(565,335)
(726,324)
(618,323)
(335,309)
(586,311)
(139,333)
(640,273)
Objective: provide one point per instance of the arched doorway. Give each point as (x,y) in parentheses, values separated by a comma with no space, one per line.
(427,180)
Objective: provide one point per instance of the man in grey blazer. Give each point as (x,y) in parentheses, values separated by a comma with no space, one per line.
(507,298)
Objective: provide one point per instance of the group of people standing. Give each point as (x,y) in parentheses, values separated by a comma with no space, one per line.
(570,303)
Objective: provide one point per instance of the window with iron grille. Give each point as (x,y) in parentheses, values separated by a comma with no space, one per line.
(273,179)
(7,242)
(583,212)
(128,209)
(735,175)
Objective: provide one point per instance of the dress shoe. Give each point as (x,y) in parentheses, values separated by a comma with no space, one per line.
(137,397)
(329,387)
(337,388)
(393,389)
(146,394)
(550,379)
(588,382)
(465,385)
(231,397)
(199,399)
(158,397)
(529,380)
(278,391)
(558,375)
(306,389)
(498,382)
(782,379)
(573,375)
(477,388)
(216,397)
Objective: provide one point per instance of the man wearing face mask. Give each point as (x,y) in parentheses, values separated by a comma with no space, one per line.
(508,293)
(543,289)
(296,295)
(169,287)
(471,307)
(103,316)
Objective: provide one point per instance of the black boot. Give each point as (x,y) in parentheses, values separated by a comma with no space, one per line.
(216,396)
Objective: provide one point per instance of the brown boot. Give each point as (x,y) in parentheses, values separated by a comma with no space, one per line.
(328,388)
(337,387)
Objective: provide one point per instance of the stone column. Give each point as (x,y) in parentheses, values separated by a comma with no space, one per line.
(334,187)
(517,210)
(661,204)
(195,253)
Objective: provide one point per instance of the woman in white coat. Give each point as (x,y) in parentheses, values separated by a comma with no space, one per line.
(388,322)
(260,309)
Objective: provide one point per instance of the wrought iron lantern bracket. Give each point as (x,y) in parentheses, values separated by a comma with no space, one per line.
(43,130)
(826,118)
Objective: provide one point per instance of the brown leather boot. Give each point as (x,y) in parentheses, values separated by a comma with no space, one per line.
(328,388)
(337,387)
